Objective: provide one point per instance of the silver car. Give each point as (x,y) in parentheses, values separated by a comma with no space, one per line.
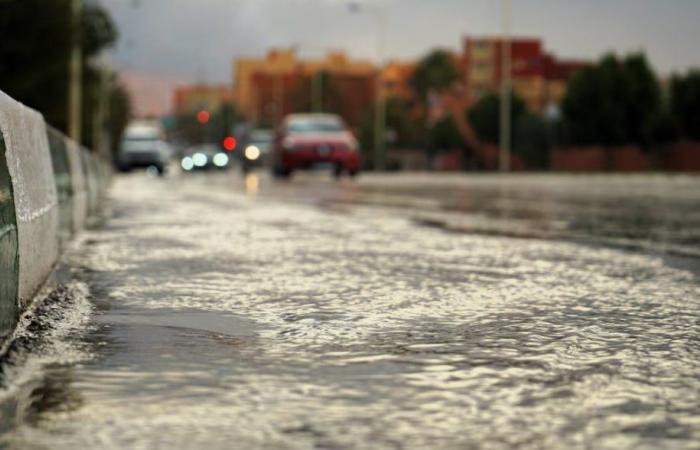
(142,146)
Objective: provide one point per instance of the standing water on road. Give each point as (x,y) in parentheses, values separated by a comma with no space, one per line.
(230,320)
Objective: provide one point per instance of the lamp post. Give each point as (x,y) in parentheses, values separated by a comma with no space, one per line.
(505,116)
(75,74)
(380,100)
(380,113)
(317,91)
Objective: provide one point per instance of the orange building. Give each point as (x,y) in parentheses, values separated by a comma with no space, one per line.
(265,89)
(396,79)
(193,98)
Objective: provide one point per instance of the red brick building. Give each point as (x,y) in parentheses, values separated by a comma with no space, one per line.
(538,77)
(349,95)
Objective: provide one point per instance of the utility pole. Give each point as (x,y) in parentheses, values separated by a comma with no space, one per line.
(505,117)
(75,74)
(380,104)
(279,98)
(317,91)
(380,100)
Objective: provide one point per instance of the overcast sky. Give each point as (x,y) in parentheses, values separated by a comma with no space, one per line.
(196,40)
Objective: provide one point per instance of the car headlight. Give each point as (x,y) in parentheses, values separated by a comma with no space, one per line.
(252,152)
(187,164)
(220,159)
(199,159)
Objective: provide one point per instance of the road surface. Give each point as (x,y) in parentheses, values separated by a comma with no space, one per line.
(412,311)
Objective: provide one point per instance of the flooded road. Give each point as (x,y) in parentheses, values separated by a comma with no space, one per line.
(220,312)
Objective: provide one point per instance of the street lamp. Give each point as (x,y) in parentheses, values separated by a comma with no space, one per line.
(316,80)
(317,91)
(505,117)
(380,101)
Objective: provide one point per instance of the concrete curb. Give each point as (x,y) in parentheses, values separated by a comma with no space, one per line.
(49,188)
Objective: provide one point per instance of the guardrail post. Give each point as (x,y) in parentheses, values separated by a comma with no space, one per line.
(9,256)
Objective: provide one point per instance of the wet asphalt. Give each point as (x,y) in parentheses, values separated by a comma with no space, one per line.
(395,311)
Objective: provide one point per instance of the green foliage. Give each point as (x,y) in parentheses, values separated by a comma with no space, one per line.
(408,130)
(34,56)
(685,104)
(532,140)
(613,102)
(444,135)
(119,113)
(98,31)
(485,115)
(531,136)
(436,71)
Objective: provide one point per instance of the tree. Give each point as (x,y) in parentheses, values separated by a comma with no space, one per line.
(613,102)
(444,135)
(407,130)
(530,135)
(685,104)
(35,54)
(484,116)
(119,113)
(532,140)
(435,72)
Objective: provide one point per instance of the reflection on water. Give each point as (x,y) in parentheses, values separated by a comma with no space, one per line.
(364,330)
(252,183)
(657,212)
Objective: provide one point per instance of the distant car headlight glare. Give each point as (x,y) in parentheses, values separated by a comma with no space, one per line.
(199,159)
(220,160)
(252,152)
(187,164)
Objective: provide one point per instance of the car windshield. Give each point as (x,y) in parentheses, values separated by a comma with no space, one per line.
(315,126)
(139,144)
(207,149)
(261,136)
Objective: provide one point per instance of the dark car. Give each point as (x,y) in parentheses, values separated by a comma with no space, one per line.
(257,148)
(205,157)
(307,141)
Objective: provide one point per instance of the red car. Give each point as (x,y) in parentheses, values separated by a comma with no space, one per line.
(306,141)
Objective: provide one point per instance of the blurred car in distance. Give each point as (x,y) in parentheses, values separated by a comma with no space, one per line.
(205,157)
(307,141)
(256,149)
(143,146)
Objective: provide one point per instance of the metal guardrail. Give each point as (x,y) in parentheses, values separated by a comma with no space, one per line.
(50,189)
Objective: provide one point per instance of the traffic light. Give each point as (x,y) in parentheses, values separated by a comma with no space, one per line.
(203,117)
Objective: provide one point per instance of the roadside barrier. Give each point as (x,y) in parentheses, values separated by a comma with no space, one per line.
(50,188)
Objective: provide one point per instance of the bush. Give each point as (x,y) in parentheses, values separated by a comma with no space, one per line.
(685,104)
(444,135)
(613,102)
(436,71)
(532,140)
(484,117)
